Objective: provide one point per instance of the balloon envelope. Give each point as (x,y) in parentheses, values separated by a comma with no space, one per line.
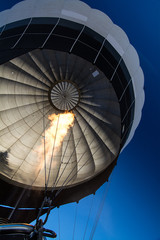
(52,62)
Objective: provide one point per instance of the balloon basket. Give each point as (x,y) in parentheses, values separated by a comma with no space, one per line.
(23,232)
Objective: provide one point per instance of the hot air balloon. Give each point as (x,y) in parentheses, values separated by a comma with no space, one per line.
(60,60)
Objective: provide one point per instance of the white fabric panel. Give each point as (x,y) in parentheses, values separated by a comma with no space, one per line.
(22,10)
(120,37)
(115,44)
(138,81)
(100,159)
(85,163)
(80,11)
(99,22)
(4,17)
(131,60)
(73,15)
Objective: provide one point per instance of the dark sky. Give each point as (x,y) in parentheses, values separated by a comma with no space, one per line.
(132,206)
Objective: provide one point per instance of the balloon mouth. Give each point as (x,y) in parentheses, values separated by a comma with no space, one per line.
(64,95)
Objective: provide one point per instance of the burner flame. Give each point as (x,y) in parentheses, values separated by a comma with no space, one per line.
(53,137)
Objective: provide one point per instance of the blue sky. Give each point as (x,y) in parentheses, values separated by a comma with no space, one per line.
(132,207)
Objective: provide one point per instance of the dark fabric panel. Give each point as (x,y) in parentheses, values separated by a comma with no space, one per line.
(41,29)
(8,43)
(12,32)
(125,77)
(46,21)
(42,25)
(68,29)
(91,38)
(15,28)
(84,51)
(6,55)
(125,106)
(110,54)
(27,199)
(104,65)
(125,134)
(116,82)
(59,43)
(1,30)
(32,41)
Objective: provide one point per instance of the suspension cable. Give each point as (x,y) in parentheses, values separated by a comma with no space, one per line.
(45,177)
(91,205)
(99,210)
(70,158)
(59,222)
(16,206)
(66,181)
(47,200)
(72,178)
(75,219)
(55,182)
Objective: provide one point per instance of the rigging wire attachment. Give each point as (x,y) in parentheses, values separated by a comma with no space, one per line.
(41,231)
(46,202)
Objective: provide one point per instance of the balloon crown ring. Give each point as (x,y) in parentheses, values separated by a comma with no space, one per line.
(64,95)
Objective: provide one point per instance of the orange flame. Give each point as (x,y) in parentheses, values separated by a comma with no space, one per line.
(54,135)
